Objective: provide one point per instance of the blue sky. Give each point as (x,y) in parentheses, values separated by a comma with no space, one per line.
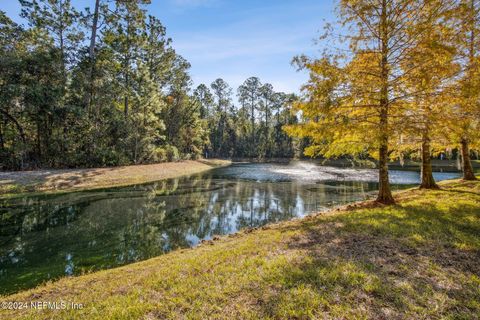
(236,39)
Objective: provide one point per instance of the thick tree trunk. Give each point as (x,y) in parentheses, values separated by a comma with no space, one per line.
(384,192)
(428,182)
(466,161)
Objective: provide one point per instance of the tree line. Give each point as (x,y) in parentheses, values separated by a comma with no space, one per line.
(254,128)
(103,86)
(404,78)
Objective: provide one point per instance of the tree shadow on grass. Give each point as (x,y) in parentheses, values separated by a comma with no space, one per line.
(408,262)
(52,179)
(74,179)
(460,191)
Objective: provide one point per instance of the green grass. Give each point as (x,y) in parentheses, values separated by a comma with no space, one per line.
(419,259)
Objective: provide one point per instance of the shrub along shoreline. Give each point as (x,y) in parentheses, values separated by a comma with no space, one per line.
(417,259)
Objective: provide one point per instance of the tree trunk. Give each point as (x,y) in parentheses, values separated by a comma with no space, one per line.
(62,42)
(384,192)
(267,141)
(93,36)
(2,144)
(428,182)
(253,124)
(91,53)
(39,143)
(466,162)
(127,68)
(125,109)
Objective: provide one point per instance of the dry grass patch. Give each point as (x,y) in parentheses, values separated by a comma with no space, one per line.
(16,183)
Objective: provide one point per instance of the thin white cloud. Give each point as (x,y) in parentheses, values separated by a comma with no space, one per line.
(210,48)
(257,41)
(194,3)
(264,53)
(254,34)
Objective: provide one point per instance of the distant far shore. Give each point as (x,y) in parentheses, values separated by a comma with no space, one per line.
(14,183)
(410,165)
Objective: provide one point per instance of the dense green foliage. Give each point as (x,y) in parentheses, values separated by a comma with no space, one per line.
(105,87)
(254,130)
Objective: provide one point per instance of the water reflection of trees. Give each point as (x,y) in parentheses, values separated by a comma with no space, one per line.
(46,237)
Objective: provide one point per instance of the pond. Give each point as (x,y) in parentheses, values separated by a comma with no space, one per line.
(46,237)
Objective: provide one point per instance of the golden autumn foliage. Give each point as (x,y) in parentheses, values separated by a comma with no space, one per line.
(398,87)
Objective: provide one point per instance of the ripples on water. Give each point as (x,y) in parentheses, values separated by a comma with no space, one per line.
(46,237)
(307,172)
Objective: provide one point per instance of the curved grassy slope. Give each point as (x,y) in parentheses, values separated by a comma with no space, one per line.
(16,184)
(418,259)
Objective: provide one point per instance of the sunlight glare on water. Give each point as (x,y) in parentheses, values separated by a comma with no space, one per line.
(308,172)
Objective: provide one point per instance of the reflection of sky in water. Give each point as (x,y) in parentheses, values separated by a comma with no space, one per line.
(50,236)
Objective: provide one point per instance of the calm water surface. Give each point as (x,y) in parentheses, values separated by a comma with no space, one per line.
(43,238)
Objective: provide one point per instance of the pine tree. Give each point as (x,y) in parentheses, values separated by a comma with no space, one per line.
(205,98)
(249,95)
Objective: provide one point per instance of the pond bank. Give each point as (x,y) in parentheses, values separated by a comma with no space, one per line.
(418,259)
(18,182)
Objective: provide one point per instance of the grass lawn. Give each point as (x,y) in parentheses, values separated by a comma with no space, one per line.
(16,183)
(419,259)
